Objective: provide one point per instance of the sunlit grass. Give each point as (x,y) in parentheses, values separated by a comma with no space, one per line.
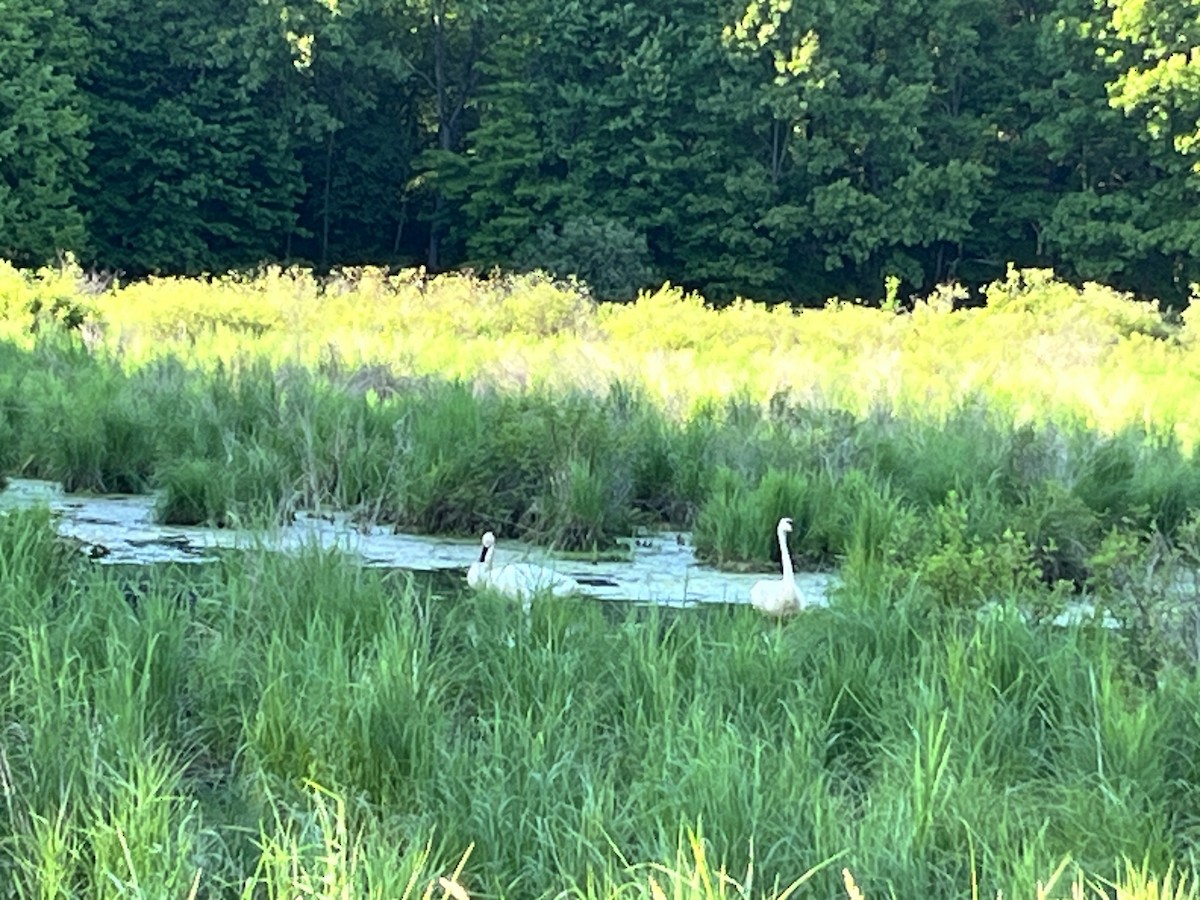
(1039,348)
(458,404)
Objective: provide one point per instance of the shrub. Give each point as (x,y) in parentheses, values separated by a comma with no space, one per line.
(534,306)
(1061,529)
(611,258)
(1150,586)
(962,569)
(46,300)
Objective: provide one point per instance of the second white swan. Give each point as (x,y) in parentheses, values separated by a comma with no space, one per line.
(779,598)
(520,581)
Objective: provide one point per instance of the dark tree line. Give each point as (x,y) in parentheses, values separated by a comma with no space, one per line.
(778,149)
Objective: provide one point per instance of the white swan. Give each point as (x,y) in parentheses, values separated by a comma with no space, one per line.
(480,571)
(517,580)
(779,598)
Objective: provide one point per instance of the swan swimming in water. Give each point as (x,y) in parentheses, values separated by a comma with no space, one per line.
(480,571)
(517,580)
(779,598)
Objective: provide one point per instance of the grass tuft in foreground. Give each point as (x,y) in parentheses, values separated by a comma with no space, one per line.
(309,726)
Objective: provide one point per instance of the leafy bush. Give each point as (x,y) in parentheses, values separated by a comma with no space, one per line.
(49,299)
(963,569)
(1094,313)
(611,258)
(1150,586)
(1061,529)
(532,305)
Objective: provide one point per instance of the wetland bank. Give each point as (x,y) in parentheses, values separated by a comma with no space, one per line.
(311,725)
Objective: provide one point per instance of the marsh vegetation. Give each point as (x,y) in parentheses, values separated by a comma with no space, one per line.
(308,726)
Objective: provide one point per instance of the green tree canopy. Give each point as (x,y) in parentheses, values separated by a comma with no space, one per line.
(42,131)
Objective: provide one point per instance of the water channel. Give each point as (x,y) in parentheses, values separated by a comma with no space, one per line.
(662,567)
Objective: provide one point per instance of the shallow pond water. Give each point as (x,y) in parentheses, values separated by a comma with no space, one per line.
(663,568)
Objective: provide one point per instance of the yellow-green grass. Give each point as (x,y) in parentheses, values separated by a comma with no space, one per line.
(1039,349)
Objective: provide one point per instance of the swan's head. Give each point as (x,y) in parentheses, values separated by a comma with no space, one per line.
(785,525)
(489,541)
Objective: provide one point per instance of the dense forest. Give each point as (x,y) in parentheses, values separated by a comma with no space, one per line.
(782,149)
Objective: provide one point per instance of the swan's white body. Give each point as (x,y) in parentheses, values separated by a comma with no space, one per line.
(517,580)
(779,598)
(524,580)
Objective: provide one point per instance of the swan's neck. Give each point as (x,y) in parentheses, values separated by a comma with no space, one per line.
(789,576)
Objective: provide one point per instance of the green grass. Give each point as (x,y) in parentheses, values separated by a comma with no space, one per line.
(456,405)
(248,443)
(311,728)
(315,728)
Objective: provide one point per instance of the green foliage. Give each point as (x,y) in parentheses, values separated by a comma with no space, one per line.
(535,306)
(1158,78)
(33,560)
(609,257)
(446,461)
(736,524)
(588,504)
(46,299)
(881,533)
(963,569)
(43,143)
(376,725)
(1148,584)
(928,460)
(211,182)
(1061,530)
(194,492)
(1094,314)
(761,149)
(220,393)
(92,432)
(1122,476)
(310,722)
